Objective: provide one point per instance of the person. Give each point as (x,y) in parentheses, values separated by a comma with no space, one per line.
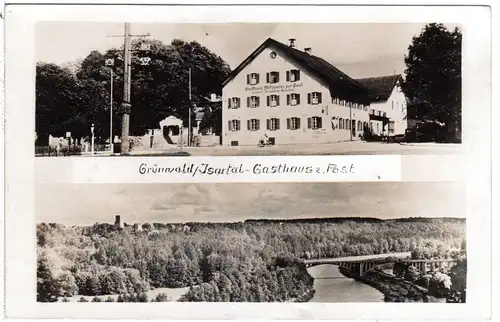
(266,139)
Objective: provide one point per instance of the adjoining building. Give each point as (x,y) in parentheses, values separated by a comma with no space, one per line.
(388,109)
(293,97)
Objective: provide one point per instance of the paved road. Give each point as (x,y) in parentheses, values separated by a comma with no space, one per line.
(340,148)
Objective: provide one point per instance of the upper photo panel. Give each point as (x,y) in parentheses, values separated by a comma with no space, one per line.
(111,89)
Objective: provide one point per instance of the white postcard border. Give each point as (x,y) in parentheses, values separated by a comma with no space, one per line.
(20,229)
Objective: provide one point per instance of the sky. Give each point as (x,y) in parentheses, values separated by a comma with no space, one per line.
(360,50)
(85,204)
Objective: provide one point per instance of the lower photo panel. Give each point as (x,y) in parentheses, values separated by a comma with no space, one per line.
(241,242)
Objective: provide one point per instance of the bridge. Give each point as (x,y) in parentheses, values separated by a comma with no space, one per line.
(361,266)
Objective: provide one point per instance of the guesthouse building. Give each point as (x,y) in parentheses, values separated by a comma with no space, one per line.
(292,97)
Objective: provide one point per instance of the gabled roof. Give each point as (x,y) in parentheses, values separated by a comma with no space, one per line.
(381,87)
(340,84)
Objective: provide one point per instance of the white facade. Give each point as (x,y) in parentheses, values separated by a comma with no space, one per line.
(289,111)
(395,110)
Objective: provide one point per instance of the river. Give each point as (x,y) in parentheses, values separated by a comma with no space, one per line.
(332,286)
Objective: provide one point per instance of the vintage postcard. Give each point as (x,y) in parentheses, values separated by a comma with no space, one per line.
(224,162)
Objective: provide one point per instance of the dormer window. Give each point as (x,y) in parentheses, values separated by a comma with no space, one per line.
(293,75)
(293,99)
(314,98)
(252,79)
(273,77)
(273,100)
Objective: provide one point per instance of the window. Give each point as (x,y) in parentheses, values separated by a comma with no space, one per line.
(273,77)
(293,99)
(233,102)
(253,101)
(293,75)
(253,125)
(273,100)
(391,127)
(293,123)
(273,124)
(314,123)
(341,123)
(314,98)
(234,125)
(334,123)
(253,79)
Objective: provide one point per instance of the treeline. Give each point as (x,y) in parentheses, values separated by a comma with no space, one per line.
(249,261)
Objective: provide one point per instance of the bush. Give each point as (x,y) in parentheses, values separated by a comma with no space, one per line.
(82,299)
(162,297)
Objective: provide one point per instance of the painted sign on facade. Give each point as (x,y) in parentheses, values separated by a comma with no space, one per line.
(274,88)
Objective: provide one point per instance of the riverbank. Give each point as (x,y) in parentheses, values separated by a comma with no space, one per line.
(394,289)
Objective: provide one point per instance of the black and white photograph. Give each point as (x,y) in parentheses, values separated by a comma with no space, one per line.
(257,162)
(282,89)
(275,242)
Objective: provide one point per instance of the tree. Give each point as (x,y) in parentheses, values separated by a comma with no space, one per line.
(160,88)
(434,77)
(65,103)
(47,288)
(55,91)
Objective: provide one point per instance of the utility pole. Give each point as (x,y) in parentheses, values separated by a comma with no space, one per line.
(126,107)
(111,114)
(190,107)
(350,121)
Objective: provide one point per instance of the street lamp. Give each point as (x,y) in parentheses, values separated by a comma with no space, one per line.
(110,63)
(92,140)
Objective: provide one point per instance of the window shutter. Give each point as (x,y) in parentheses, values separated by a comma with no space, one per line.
(320,122)
(298,99)
(277,100)
(268,100)
(228,103)
(258,124)
(288,99)
(309,98)
(229,125)
(298,122)
(257,101)
(320,98)
(248,101)
(277,124)
(257,76)
(277,77)
(248,79)
(298,75)
(249,125)
(267,77)
(287,75)
(268,121)
(288,123)
(309,122)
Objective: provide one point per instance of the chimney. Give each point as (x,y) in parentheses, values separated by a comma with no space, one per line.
(308,50)
(117,221)
(292,42)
